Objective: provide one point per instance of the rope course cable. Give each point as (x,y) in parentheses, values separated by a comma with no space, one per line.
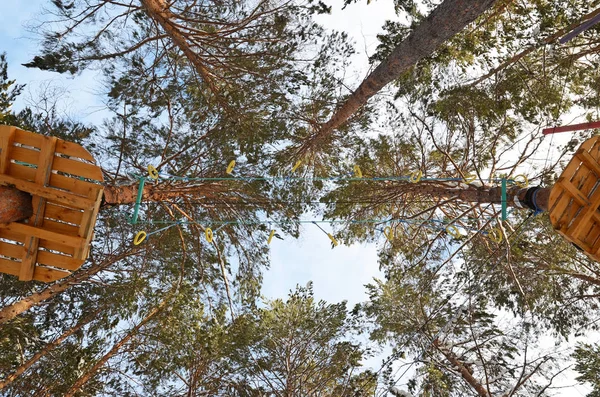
(415,177)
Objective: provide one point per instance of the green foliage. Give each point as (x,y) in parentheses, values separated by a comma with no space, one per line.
(587,357)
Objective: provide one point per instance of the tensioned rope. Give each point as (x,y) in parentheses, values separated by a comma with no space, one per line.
(495,234)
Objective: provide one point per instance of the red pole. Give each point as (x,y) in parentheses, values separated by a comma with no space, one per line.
(574,127)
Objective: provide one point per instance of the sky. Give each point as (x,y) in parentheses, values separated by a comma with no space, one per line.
(337,274)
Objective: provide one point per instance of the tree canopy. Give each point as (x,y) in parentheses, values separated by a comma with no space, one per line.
(467,300)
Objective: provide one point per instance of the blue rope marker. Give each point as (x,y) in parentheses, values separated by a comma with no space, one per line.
(138,201)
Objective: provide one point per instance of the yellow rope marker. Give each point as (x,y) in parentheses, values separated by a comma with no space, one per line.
(333,240)
(469,178)
(453,231)
(521,180)
(209,234)
(271,236)
(295,167)
(388,232)
(230,167)
(139,238)
(416,176)
(357,171)
(152,172)
(495,235)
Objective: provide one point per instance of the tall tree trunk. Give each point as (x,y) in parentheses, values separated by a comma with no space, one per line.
(46,349)
(15,205)
(465,373)
(482,194)
(9,312)
(127,194)
(79,383)
(160,12)
(445,21)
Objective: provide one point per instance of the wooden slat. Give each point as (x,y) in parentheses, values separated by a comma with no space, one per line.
(47,193)
(21,172)
(42,176)
(7,134)
(11,250)
(62,228)
(24,155)
(10,267)
(73,150)
(558,203)
(77,168)
(28,138)
(77,186)
(64,262)
(49,245)
(592,237)
(45,234)
(584,219)
(86,230)
(48,275)
(64,214)
(589,161)
(576,194)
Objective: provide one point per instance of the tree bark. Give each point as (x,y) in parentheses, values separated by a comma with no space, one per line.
(159,11)
(48,348)
(127,194)
(9,312)
(15,205)
(476,194)
(465,373)
(443,23)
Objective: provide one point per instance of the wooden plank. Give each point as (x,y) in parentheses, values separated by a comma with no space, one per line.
(11,250)
(558,202)
(64,214)
(86,230)
(74,185)
(21,172)
(61,228)
(593,236)
(45,234)
(58,196)
(589,161)
(77,168)
(7,134)
(42,176)
(61,261)
(584,219)
(73,150)
(585,188)
(49,245)
(48,274)
(10,267)
(28,138)
(25,155)
(576,194)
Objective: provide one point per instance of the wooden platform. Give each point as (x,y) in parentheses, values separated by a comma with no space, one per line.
(575,199)
(65,184)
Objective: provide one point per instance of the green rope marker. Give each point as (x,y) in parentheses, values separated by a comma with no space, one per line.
(138,200)
(504,214)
